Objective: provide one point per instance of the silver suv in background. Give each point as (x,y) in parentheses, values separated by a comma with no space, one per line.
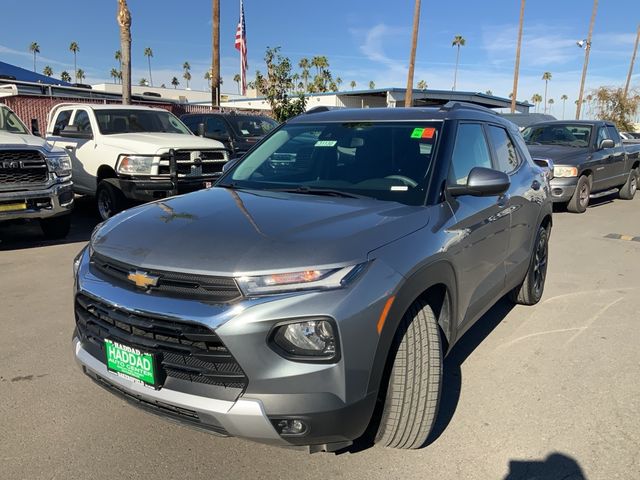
(310,296)
(35,178)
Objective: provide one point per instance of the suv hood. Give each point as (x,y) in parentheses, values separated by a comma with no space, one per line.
(560,154)
(225,232)
(157,142)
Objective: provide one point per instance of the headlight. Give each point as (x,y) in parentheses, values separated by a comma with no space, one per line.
(60,164)
(303,280)
(565,171)
(135,165)
(310,340)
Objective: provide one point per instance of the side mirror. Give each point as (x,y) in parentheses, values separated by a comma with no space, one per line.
(200,130)
(606,143)
(482,182)
(35,127)
(546,164)
(230,163)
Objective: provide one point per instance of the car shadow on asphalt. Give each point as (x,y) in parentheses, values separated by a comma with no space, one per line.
(22,235)
(556,466)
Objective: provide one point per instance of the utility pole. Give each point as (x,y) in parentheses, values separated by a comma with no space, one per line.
(633,59)
(215,61)
(408,96)
(516,73)
(587,49)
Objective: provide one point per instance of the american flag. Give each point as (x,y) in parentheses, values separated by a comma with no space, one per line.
(241,45)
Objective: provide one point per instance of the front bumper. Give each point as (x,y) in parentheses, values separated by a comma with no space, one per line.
(336,401)
(563,188)
(41,203)
(148,189)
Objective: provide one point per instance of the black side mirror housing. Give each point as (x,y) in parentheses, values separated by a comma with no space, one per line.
(606,143)
(482,182)
(230,163)
(200,131)
(35,127)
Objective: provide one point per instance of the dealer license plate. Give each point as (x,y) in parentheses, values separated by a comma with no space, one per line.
(10,207)
(131,363)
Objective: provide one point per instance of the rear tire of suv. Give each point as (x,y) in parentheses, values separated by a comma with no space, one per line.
(628,190)
(109,200)
(56,227)
(580,200)
(415,381)
(531,290)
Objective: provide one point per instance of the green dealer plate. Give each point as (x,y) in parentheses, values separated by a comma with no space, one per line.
(130,362)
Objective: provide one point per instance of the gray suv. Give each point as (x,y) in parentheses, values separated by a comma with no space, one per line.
(309,297)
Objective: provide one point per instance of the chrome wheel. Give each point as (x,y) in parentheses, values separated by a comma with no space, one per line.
(584,195)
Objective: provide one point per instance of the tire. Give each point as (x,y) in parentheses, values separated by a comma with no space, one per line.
(531,290)
(628,190)
(56,227)
(415,380)
(580,200)
(109,200)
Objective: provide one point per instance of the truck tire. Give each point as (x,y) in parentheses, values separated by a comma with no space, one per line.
(109,200)
(628,190)
(531,290)
(580,200)
(56,227)
(415,380)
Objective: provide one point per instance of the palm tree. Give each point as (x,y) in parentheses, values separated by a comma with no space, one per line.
(488,92)
(546,76)
(187,72)
(237,78)
(48,71)
(114,75)
(175,82)
(458,41)
(536,98)
(315,62)
(564,99)
(35,49)
(338,82)
(422,85)
(304,65)
(352,84)
(372,85)
(149,53)
(118,57)
(65,77)
(143,82)
(75,49)
(550,103)
(124,22)
(207,77)
(80,75)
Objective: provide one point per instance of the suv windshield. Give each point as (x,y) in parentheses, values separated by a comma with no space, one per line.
(136,121)
(252,125)
(381,160)
(9,122)
(571,135)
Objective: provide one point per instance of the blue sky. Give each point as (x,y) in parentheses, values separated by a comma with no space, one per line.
(364,40)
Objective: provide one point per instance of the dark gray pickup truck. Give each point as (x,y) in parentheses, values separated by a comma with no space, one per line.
(589,158)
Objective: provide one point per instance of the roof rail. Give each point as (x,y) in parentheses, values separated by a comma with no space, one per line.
(322,108)
(454,105)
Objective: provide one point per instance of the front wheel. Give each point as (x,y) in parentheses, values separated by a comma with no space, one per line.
(415,380)
(580,200)
(109,200)
(628,190)
(56,227)
(531,289)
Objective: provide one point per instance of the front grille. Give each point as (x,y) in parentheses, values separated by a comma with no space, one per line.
(209,164)
(171,284)
(184,350)
(22,167)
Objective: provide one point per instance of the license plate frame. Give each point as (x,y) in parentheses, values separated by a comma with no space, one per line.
(131,363)
(13,207)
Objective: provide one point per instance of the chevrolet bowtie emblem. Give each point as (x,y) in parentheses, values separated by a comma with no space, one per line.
(143,279)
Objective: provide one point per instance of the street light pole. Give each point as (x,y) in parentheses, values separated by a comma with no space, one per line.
(516,73)
(587,49)
(633,59)
(215,63)
(408,96)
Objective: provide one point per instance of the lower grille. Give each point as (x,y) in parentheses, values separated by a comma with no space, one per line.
(22,167)
(185,351)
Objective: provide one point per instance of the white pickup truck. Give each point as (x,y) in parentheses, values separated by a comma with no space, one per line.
(35,178)
(123,153)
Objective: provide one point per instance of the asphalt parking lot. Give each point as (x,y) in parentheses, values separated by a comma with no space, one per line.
(545,392)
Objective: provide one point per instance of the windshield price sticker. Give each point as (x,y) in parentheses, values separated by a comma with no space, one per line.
(423,132)
(326,143)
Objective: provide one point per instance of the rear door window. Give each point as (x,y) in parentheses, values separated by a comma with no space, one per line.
(506,155)
(82,121)
(470,151)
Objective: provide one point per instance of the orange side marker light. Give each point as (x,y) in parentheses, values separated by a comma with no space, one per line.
(385,312)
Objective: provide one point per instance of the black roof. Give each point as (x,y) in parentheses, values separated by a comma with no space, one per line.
(452,110)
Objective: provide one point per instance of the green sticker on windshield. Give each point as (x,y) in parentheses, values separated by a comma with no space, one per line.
(326,143)
(417,133)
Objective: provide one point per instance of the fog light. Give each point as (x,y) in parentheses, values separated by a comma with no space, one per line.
(290,427)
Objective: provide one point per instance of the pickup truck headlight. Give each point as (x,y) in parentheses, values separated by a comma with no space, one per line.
(322,279)
(559,171)
(60,165)
(135,165)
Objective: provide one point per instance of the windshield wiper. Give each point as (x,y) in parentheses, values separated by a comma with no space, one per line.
(316,191)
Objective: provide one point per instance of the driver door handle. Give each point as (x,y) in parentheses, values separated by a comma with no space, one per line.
(69,147)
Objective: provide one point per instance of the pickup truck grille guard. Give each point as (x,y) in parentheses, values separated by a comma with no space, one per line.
(22,167)
(189,164)
(185,351)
